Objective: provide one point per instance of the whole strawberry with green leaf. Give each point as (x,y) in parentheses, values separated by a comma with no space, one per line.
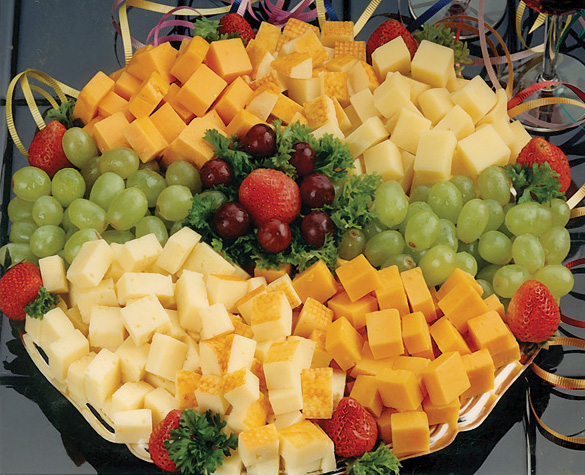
(539,150)
(46,149)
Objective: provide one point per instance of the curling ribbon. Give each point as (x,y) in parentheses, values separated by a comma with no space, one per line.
(60,88)
(426,15)
(564,318)
(365,16)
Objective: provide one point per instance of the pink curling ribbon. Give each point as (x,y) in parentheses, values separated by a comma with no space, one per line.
(164,23)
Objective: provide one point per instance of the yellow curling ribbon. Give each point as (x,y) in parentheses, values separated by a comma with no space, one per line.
(538,22)
(61,89)
(365,16)
(320,4)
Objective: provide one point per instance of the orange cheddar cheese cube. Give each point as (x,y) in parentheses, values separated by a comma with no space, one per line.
(313,316)
(493,303)
(243,121)
(273,273)
(447,337)
(91,95)
(109,132)
(145,138)
(416,335)
(171,98)
(410,432)
(159,59)
(418,293)
(228,58)
(384,333)
(343,343)
(358,277)
(113,103)
(390,293)
(201,90)
(415,364)
(445,378)
(442,414)
(356,311)
(479,366)
(369,365)
(399,388)
(456,277)
(490,332)
(168,122)
(126,85)
(189,58)
(461,304)
(365,391)
(148,97)
(232,99)
(384,427)
(316,281)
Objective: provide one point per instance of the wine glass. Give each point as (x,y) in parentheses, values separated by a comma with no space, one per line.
(553,67)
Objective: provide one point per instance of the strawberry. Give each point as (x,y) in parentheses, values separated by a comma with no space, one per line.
(18,288)
(268,193)
(156,444)
(352,428)
(234,23)
(533,313)
(387,31)
(46,149)
(538,150)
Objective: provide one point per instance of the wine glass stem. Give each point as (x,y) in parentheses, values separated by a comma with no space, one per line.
(553,26)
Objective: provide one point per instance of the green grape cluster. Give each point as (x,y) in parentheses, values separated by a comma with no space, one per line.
(474,226)
(111,196)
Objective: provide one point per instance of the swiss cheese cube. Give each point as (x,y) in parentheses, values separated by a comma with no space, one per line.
(132,360)
(106,327)
(90,264)
(143,318)
(166,356)
(64,351)
(191,296)
(53,274)
(132,426)
(102,378)
(432,64)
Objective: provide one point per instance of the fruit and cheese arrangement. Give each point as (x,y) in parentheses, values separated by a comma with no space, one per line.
(286,250)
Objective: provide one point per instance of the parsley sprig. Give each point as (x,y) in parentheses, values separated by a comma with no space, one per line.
(442,35)
(209,30)
(64,114)
(199,445)
(44,302)
(538,182)
(380,461)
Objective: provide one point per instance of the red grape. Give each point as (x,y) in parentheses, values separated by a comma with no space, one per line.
(216,172)
(317,190)
(303,158)
(260,141)
(274,235)
(315,226)
(231,220)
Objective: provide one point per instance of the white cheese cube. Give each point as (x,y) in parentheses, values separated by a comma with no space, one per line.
(285,360)
(33,326)
(241,388)
(271,316)
(102,294)
(392,95)
(135,285)
(215,321)
(281,421)
(192,359)
(226,289)
(132,427)
(432,64)
(175,329)
(102,377)
(338,386)
(232,465)
(160,402)
(76,378)
(144,317)
(90,264)
(106,327)
(191,297)
(64,351)
(331,128)
(521,138)
(363,104)
(53,274)
(476,98)
(434,156)
(166,356)
(457,121)
(286,399)
(408,128)
(132,360)
(482,149)
(130,396)
(390,57)
(304,90)
(435,103)
(54,325)
(74,315)
(259,445)
(368,134)
(160,382)
(205,260)
(384,159)
(177,249)
(140,253)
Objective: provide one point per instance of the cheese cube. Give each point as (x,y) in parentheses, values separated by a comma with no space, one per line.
(366,135)
(133,426)
(333,31)
(285,400)
(259,445)
(53,274)
(447,337)
(390,57)
(209,394)
(416,335)
(343,343)
(191,296)
(166,356)
(135,285)
(315,281)
(139,254)
(479,367)
(268,35)
(91,95)
(106,327)
(357,49)
(145,139)
(521,138)
(384,333)
(271,316)
(241,388)
(262,101)
(90,264)
(285,360)
(130,396)
(185,384)
(407,130)
(255,415)
(53,326)
(476,98)
(435,103)
(144,101)
(189,58)
(143,317)
(260,58)
(108,132)
(445,378)
(303,443)
(294,65)
(490,332)
(482,149)
(362,76)
(331,128)
(432,64)
(76,378)
(64,351)
(177,249)
(159,382)
(457,121)
(442,414)
(215,321)
(320,111)
(232,465)
(226,354)
(434,156)
(358,277)
(392,95)
(365,391)
(317,391)
(418,293)
(228,58)
(313,315)
(226,289)
(410,432)
(171,98)
(205,260)
(32,327)
(384,159)
(198,99)
(102,378)
(309,43)
(304,90)
(399,388)
(160,402)
(390,293)
(102,294)
(132,360)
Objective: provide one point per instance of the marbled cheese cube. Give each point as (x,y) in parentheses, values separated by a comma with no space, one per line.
(226,354)
(384,159)
(90,264)
(160,402)
(476,98)
(259,445)
(302,443)
(482,149)
(106,327)
(209,394)
(309,43)
(317,390)
(205,260)
(53,274)
(166,356)
(407,130)
(271,316)
(285,360)
(215,321)
(226,289)
(294,65)
(390,57)
(366,135)
(191,296)
(54,325)
(64,351)
(284,284)
(177,249)
(132,427)
(313,315)
(186,383)
(255,415)
(143,317)
(432,64)
(132,360)
(140,253)
(135,285)
(241,388)
(102,378)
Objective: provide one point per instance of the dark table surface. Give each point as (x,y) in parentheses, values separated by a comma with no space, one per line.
(41,433)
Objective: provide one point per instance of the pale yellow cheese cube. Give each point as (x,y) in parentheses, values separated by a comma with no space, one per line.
(130,396)
(64,351)
(384,159)
(338,385)
(391,57)
(191,296)
(522,137)
(166,356)
(285,400)
(140,253)
(159,382)
(285,360)
(106,327)
(500,110)
(260,58)
(482,149)
(353,119)
(102,294)
(54,325)
(102,378)
(271,316)
(259,445)
(53,274)
(294,65)
(363,104)
(435,103)
(76,378)
(241,388)
(132,360)
(209,394)
(302,443)
(226,289)
(192,359)
(75,316)
(309,43)
(281,421)
(135,285)
(175,329)
(331,128)
(205,260)
(143,317)
(476,98)
(366,135)
(304,90)
(457,121)
(434,155)
(262,103)
(502,127)
(132,427)
(407,130)
(160,402)
(177,249)
(416,89)
(432,64)
(90,264)
(215,321)
(232,465)
(392,95)
(270,467)
(390,122)
(408,167)
(362,76)
(32,327)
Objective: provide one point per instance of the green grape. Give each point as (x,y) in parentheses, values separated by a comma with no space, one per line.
(528,252)
(154,225)
(414,254)
(218,198)
(20,210)
(15,252)
(30,183)
(413,208)
(152,165)
(543,221)
(127,209)
(508,278)
(90,172)
(21,231)
(382,246)
(488,289)
(374,227)
(487,272)
(352,244)
(150,182)
(446,201)
(402,261)
(466,262)
(106,188)
(465,185)
(422,230)
(174,202)
(184,173)
(86,214)
(47,240)
(176,226)
(437,264)
(123,161)
(472,220)
(473,249)
(47,210)
(78,146)
(503,228)
(496,218)
(494,184)
(391,203)
(558,279)
(77,240)
(447,235)
(556,243)
(522,217)
(495,247)
(560,212)
(66,222)
(119,237)
(68,185)
(420,193)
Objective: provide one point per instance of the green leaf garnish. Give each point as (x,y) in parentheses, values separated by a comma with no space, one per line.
(199,445)
(64,114)
(538,182)
(352,206)
(44,302)
(380,461)
(442,35)
(209,30)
